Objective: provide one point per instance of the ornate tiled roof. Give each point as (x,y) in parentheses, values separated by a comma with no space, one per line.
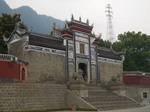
(46,41)
(80,26)
(107,53)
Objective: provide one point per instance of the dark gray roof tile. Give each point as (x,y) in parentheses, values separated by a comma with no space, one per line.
(46,41)
(108,54)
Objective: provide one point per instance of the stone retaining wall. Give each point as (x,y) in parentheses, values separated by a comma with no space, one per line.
(29,96)
(109,70)
(42,66)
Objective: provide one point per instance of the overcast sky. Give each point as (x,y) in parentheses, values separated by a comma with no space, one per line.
(129,15)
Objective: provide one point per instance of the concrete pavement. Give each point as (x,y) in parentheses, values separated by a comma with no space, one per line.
(140,109)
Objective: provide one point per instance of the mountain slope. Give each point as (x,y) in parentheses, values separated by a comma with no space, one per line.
(4,8)
(35,22)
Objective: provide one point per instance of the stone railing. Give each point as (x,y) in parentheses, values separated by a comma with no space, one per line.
(8,57)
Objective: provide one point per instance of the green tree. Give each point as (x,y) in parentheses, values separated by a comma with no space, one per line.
(7,25)
(104,43)
(117,46)
(136,47)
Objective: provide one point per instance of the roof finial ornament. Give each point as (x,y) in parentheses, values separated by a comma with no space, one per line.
(54,25)
(87,21)
(72,17)
(65,26)
(100,35)
(79,18)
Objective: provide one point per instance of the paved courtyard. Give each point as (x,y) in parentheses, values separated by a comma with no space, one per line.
(141,109)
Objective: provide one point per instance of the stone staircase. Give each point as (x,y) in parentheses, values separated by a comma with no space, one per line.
(103,99)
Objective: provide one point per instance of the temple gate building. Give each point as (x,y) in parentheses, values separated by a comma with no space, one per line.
(63,70)
(66,51)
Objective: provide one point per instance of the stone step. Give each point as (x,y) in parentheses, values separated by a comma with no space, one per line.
(107,100)
(112,102)
(100,94)
(95,88)
(113,106)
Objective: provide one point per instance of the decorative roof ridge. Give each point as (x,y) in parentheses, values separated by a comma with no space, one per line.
(109,50)
(45,36)
(132,72)
(66,29)
(106,49)
(139,72)
(80,22)
(77,21)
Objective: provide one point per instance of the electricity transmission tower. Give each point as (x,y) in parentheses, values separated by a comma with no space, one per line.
(110,32)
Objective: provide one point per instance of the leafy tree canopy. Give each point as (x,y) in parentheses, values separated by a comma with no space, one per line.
(7,25)
(136,47)
(104,43)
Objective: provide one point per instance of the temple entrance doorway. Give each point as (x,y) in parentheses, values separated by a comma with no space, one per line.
(83,69)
